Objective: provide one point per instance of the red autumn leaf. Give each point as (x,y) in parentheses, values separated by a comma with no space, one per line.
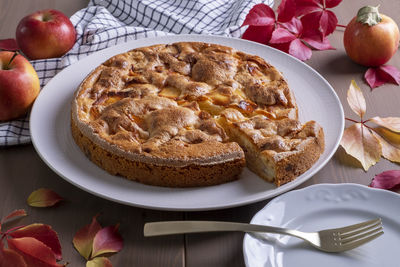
(300,50)
(34,252)
(260,15)
(292,33)
(281,35)
(9,45)
(83,239)
(314,39)
(107,240)
(13,215)
(43,233)
(286,10)
(99,262)
(386,180)
(259,34)
(9,257)
(383,74)
(332,3)
(315,12)
(43,197)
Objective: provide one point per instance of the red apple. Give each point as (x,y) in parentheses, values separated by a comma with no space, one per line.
(19,85)
(45,34)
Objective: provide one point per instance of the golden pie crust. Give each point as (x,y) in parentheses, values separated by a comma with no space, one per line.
(190,114)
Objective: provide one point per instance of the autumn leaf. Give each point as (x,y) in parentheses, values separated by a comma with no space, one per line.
(259,34)
(368,144)
(260,15)
(43,233)
(392,123)
(389,151)
(290,31)
(293,32)
(9,45)
(390,136)
(43,197)
(386,180)
(107,240)
(34,252)
(315,12)
(13,215)
(377,76)
(358,142)
(99,262)
(286,10)
(83,239)
(9,257)
(356,99)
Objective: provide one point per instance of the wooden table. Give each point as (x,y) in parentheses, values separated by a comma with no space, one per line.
(22,170)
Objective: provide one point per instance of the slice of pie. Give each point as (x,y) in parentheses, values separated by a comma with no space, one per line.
(278,150)
(192,114)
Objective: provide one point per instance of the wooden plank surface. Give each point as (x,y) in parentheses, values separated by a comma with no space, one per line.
(22,171)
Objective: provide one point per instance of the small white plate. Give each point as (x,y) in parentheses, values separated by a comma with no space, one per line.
(321,207)
(51,135)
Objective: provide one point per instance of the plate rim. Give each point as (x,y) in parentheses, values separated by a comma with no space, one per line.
(249,200)
(312,188)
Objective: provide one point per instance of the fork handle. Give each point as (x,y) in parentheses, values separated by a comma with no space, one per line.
(184,227)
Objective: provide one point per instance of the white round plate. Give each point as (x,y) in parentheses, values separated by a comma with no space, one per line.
(51,135)
(324,206)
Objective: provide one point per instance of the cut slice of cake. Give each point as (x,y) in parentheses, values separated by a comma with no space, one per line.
(276,150)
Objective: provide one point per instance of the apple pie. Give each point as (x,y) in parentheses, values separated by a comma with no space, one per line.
(192,114)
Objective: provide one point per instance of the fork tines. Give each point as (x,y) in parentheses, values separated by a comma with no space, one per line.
(355,235)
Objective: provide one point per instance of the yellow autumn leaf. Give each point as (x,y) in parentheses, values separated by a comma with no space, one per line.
(390,136)
(392,123)
(358,142)
(356,99)
(389,151)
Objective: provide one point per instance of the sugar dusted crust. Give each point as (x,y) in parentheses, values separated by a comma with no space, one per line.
(155,114)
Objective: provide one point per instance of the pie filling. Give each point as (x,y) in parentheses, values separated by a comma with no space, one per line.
(195,104)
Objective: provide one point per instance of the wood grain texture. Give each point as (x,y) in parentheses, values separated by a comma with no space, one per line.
(22,171)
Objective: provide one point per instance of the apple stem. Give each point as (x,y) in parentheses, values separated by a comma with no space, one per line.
(11,60)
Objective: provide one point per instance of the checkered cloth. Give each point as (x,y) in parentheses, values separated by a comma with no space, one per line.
(105,23)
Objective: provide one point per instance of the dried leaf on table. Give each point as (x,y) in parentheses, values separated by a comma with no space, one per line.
(356,99)
(34,252)
(83,239)
(358,142)
(377,76)
(43,197)
(368,144)
(386,180)
(43,233)
(99,262)
(107,240)
(389,151)
(392,123)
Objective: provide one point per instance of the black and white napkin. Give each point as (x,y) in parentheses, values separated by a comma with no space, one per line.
(105,23)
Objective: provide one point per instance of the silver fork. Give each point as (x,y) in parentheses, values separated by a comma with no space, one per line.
(330,240)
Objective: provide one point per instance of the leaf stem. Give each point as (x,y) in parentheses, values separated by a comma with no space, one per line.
(13,229)
(351,120)
(340,25)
